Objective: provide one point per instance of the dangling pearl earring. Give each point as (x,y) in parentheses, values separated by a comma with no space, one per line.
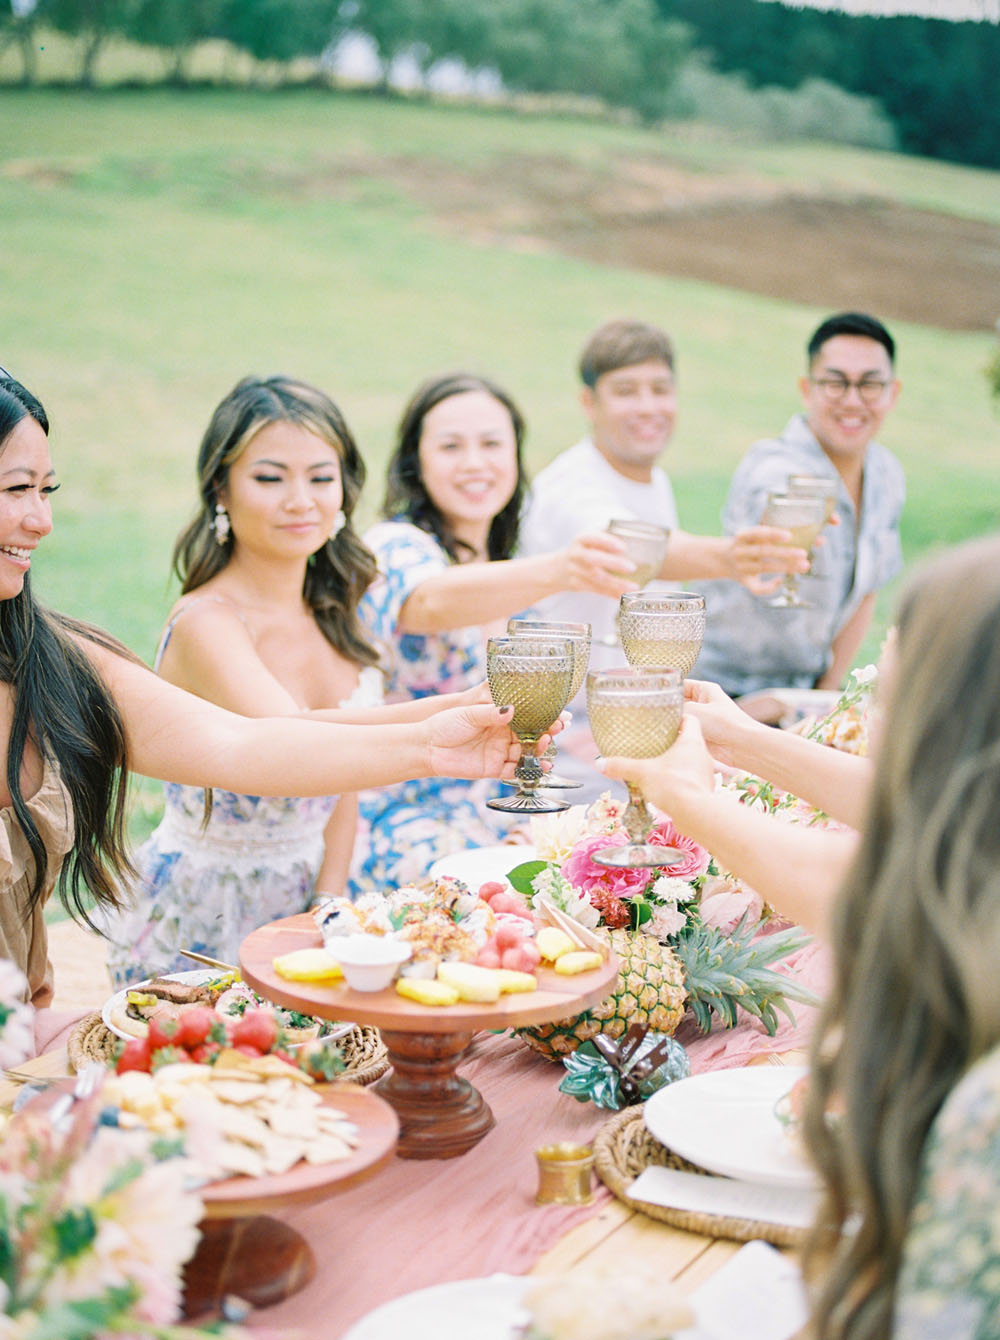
(339,522)
(221,524)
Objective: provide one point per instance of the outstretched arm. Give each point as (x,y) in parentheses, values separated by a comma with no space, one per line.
(178,737)
(797,869)
(833,781)
(475,593)
(743,557)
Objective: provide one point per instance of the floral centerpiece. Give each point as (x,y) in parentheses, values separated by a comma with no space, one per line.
(96,1223)
(686,936)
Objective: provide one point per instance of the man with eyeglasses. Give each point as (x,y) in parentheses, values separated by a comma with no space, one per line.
(848,390)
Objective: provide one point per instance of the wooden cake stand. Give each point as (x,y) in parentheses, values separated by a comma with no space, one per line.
(441,1114)
(244,1250)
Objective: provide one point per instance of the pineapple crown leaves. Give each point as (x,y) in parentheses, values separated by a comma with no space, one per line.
(724,972)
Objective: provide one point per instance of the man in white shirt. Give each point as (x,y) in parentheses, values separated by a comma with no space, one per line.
(629,397)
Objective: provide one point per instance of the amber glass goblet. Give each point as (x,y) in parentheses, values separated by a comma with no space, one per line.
(662,631)
(635,713)
(534,676)
(578,634)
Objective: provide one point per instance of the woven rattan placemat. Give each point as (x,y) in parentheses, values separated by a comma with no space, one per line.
(365,1056)
(623,1148)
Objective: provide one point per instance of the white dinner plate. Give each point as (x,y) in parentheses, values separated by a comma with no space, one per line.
(195,976)
(483,1309)
(477,865)
(724,1121)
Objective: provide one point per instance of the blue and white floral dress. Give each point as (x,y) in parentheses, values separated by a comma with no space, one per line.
(405,828)
(206,886)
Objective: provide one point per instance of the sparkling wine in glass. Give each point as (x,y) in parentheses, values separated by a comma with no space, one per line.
(578,635)
(534,676)
(815,486)
(662,631)
(646,546)
(805,517)
(635,713)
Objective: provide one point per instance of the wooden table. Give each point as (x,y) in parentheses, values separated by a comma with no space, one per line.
(391,1206)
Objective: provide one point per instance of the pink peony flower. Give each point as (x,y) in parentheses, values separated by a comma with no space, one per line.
(696,859)
(584,873)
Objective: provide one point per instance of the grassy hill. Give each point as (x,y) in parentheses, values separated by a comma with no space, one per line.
(156,246)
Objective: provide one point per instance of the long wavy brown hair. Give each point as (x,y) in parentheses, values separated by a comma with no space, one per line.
(338,574)
(916,938)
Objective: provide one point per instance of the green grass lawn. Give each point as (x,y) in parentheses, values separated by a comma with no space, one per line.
(154,247)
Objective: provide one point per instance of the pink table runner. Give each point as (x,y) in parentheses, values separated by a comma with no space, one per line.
(417,1223)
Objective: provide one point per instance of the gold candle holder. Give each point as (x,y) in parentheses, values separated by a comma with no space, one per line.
(565,1174)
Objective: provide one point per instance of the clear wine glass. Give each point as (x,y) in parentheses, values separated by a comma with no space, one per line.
(578,634)
(635,713)
(815,486)
(805,517)
(663,631)
(646,546)
(534,676)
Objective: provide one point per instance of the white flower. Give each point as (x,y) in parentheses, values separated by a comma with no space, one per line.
(555,835)
(673,890)
(666,921)
(865,674)
(550,883)
(17,1018)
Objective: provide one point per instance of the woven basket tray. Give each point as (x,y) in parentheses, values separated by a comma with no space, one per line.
(365,1056)
(623,1148)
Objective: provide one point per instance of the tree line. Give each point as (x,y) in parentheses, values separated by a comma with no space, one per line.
(932,82)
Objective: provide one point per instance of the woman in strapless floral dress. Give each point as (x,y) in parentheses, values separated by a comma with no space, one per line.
(271,572)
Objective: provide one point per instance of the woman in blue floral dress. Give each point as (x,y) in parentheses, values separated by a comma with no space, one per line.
(447,582)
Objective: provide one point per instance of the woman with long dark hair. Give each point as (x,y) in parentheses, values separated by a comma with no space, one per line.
(271,572)
(903,1114)
(448,580)
(78,711)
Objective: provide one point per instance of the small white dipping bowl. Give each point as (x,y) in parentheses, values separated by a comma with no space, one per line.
(369,961)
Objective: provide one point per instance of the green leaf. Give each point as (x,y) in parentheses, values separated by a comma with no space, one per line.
(522,875)
(74,1231)
(641,912)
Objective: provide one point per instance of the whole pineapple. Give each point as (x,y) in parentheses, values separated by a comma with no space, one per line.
(707,972)
(650,989)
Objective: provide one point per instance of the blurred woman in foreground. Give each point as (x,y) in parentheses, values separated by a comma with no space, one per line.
(907,1051)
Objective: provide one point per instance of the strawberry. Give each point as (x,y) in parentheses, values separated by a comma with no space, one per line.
(162,1032)
(133,1056)
(206,1053)
(257,1028)
(195,1025)
(168,1056)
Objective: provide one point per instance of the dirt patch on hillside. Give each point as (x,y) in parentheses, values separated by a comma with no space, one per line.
(735,229)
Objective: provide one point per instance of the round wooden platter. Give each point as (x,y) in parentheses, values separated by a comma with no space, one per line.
(243,1249)
(378,1130)
(441,1115)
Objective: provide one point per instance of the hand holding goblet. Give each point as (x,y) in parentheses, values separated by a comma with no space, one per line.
(578,635)
(533,675)
(635,714)
(804,517)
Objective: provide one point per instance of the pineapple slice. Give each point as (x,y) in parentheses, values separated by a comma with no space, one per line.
(553,943)
(512,981)
(426,991)
(307,965)
(581,960)
(472,982)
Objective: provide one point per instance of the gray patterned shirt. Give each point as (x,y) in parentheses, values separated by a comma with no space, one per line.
(750,645)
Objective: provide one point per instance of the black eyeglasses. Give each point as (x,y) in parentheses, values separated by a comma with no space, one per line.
(870,389)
